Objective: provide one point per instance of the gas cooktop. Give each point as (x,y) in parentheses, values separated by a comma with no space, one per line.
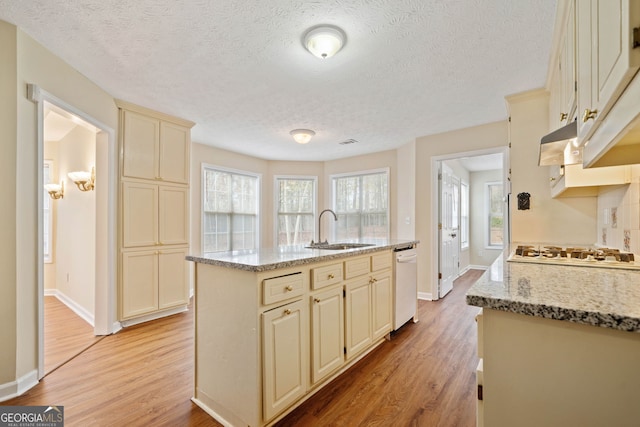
(575,256)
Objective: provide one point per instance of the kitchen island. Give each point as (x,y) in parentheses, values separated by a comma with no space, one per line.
(558,345)
(275,325)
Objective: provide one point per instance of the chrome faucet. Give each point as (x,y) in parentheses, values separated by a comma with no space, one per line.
(335,217)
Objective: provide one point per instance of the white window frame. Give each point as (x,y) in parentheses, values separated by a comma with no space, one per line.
(333,178)
(47,213)
(464,215)
(487,217)
(276,202)
(207,166)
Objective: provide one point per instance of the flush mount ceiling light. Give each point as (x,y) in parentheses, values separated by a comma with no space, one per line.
(324,41)
(302,136)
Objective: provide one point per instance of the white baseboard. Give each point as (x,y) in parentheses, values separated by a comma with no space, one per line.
(73,306)
(478,267)
(18,387)
(154,316)
(425,296)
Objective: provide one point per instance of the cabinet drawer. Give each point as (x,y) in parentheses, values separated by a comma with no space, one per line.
(326,276)
(381,261)
(282,288)
(357,267)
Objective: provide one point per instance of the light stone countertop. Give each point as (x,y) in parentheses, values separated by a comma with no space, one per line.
(266,259)
(604,297)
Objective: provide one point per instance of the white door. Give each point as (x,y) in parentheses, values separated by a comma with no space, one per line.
(448,228)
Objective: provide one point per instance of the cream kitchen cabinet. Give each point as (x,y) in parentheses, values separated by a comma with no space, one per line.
(154,214)
(358,314)
(267,340)
(285,357)
(327,332)
(154,146)
(153,280)
(606,57)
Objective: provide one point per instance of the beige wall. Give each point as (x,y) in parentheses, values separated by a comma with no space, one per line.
(406,190)
(559,221)
(478,138)
(8,176)
(76,222)
(25,61)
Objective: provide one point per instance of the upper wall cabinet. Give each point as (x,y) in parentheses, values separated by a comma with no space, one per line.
(154,146)
(606,57)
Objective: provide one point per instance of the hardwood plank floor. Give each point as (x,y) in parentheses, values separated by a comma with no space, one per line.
(143,375)
(65,334)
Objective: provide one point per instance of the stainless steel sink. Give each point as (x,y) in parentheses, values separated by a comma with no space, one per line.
(339,246)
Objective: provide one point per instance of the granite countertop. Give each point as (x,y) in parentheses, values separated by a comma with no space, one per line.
(266,259)
(603,297)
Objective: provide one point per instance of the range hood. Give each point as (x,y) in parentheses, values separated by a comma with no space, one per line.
(558,147)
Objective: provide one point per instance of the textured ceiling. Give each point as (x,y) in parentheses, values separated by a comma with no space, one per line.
(238,69)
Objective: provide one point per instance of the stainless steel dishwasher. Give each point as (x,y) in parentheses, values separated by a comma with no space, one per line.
(406,300)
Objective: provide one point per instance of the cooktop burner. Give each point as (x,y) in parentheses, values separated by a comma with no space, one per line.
(592,257)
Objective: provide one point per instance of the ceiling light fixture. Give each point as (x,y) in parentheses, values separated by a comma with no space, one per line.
(302,136)
(324,41)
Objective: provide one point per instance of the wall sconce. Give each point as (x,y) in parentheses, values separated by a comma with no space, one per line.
(56,191)
(302,136)
(84,180)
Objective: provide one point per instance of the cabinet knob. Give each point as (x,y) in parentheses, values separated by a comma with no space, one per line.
(563,116)
(372,280)
(158,178)
(289,288)
(287,312)
(331,276)
(589,114)
(316,300)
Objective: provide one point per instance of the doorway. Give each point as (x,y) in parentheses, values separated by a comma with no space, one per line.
(470,210)
(82,242)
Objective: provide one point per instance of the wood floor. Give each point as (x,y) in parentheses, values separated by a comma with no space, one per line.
(65,334)
(143,375)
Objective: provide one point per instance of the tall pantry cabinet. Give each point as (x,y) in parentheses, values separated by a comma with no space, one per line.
(154,213)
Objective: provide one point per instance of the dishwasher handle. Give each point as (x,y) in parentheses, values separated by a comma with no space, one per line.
(406,258)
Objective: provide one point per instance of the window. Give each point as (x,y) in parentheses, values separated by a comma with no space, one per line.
(361,202)
(47,214)
(495,216)
(230,210)
(464,215)
(295,210)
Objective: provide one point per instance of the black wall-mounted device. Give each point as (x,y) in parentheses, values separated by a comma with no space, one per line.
(523,201)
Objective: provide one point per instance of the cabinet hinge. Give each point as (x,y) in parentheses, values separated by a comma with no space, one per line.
(439,275)
(509,119)
(439,226)
(344,293)
(479,391)
(636,37)
(575,85)
(509,144)
(345,350)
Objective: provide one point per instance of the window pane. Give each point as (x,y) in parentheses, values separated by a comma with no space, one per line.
(495,215)
(230,205)
(295,229)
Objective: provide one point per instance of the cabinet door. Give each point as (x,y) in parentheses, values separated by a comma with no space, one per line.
(607,60)
(139,214)
(173,289)
(285,368)
(173,215)
(139,285)
(382,293)
(327,330)
(141,139)
(357,316)
(175,142)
